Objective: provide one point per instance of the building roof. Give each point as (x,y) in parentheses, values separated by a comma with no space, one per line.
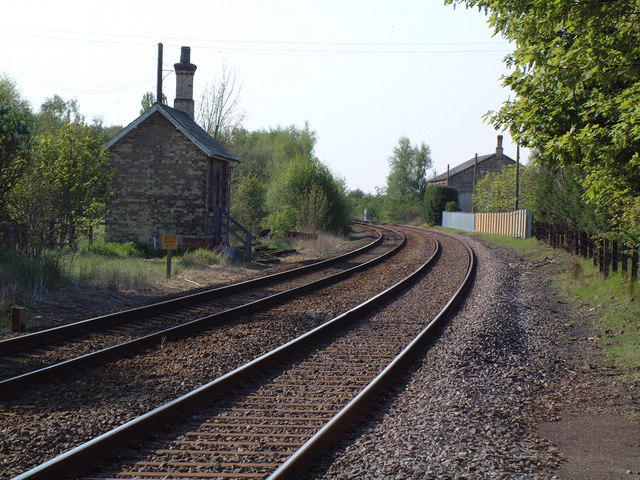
(183,122)
(465,165)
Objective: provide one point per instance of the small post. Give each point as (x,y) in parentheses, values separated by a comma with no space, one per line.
(169,254)
(18,318)
(634,264)
(169,243)
(615,255)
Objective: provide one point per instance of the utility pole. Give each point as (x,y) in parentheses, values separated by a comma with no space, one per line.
(159,78)
(517,175)
(473,187)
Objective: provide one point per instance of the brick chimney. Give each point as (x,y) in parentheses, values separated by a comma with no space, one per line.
(499,149)
(184,82)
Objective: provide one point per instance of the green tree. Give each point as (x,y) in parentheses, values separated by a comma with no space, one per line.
(249,202)
(56,112)
(11,98)
(72,168)
(406,181)
(435,201)
(305,195)
(496,191)
(576,81)
(148,99)
(15,158)
(265,152)
(408,169)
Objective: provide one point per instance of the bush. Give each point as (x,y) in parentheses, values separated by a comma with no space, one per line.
(199,257)
(113,249)
(306,196)
(451,206)
(435,200)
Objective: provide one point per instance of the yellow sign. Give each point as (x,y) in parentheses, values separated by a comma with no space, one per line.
(169,242)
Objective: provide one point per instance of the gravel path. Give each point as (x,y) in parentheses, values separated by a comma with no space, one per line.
(461,414)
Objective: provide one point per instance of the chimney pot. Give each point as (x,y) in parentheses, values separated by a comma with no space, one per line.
(499,149)
(184,82)
(185,55)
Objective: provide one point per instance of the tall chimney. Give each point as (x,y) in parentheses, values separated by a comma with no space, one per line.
(184,82)
(499,149)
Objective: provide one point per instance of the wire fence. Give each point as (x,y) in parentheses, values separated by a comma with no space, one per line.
(608,255)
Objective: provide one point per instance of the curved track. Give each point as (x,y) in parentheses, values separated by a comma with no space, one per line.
(271,416)
(45,354)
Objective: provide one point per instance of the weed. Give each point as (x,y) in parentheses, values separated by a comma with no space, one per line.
(199,258)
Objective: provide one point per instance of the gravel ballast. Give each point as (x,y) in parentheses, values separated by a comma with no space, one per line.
(463,413)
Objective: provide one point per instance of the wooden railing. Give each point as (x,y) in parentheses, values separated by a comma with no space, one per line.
(608,255)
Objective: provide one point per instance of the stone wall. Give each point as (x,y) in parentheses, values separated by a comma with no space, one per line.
(463,181)
(162,185)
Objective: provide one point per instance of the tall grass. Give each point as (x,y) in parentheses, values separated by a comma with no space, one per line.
(23,280)
(199,258)
(112,273)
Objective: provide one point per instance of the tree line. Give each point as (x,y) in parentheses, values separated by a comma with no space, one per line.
(576,89)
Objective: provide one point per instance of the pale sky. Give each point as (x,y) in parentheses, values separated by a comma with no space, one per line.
(363,73)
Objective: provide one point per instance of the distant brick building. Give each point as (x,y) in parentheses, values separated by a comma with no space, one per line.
(171,177)
(467,174)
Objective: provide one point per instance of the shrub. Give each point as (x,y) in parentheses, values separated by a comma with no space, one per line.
(435,199)
(113,249)
(451,206)
(199,257)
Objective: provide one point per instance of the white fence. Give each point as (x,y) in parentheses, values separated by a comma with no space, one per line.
(515,224)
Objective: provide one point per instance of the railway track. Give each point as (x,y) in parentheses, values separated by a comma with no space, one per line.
(45,354)
(272,416)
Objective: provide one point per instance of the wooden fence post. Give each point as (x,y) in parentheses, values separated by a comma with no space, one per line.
(606,258)
(615,255)
(634,264)
(624,259)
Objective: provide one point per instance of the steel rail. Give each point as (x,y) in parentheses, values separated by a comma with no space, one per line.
(9,385)
(22,342)
(76,460)
(300,461)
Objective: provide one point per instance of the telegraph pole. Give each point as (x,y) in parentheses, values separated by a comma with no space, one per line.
(517,175)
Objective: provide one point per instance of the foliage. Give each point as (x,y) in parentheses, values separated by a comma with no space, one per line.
(15,151)
(148,99)
(199,257)
(496,191)
(558,197)
(114,249)
(55,113)
(451,206)
(576,81)
(265,152)
(435,199)
(408,170)
(360,201)
(11,98)
(407,181)
(249,202)
(305,195)
(72,168)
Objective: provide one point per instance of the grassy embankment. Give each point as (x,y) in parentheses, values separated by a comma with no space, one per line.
(115,267)
(614,301)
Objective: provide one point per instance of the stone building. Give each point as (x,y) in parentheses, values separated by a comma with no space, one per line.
(172,177)
(464,176)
